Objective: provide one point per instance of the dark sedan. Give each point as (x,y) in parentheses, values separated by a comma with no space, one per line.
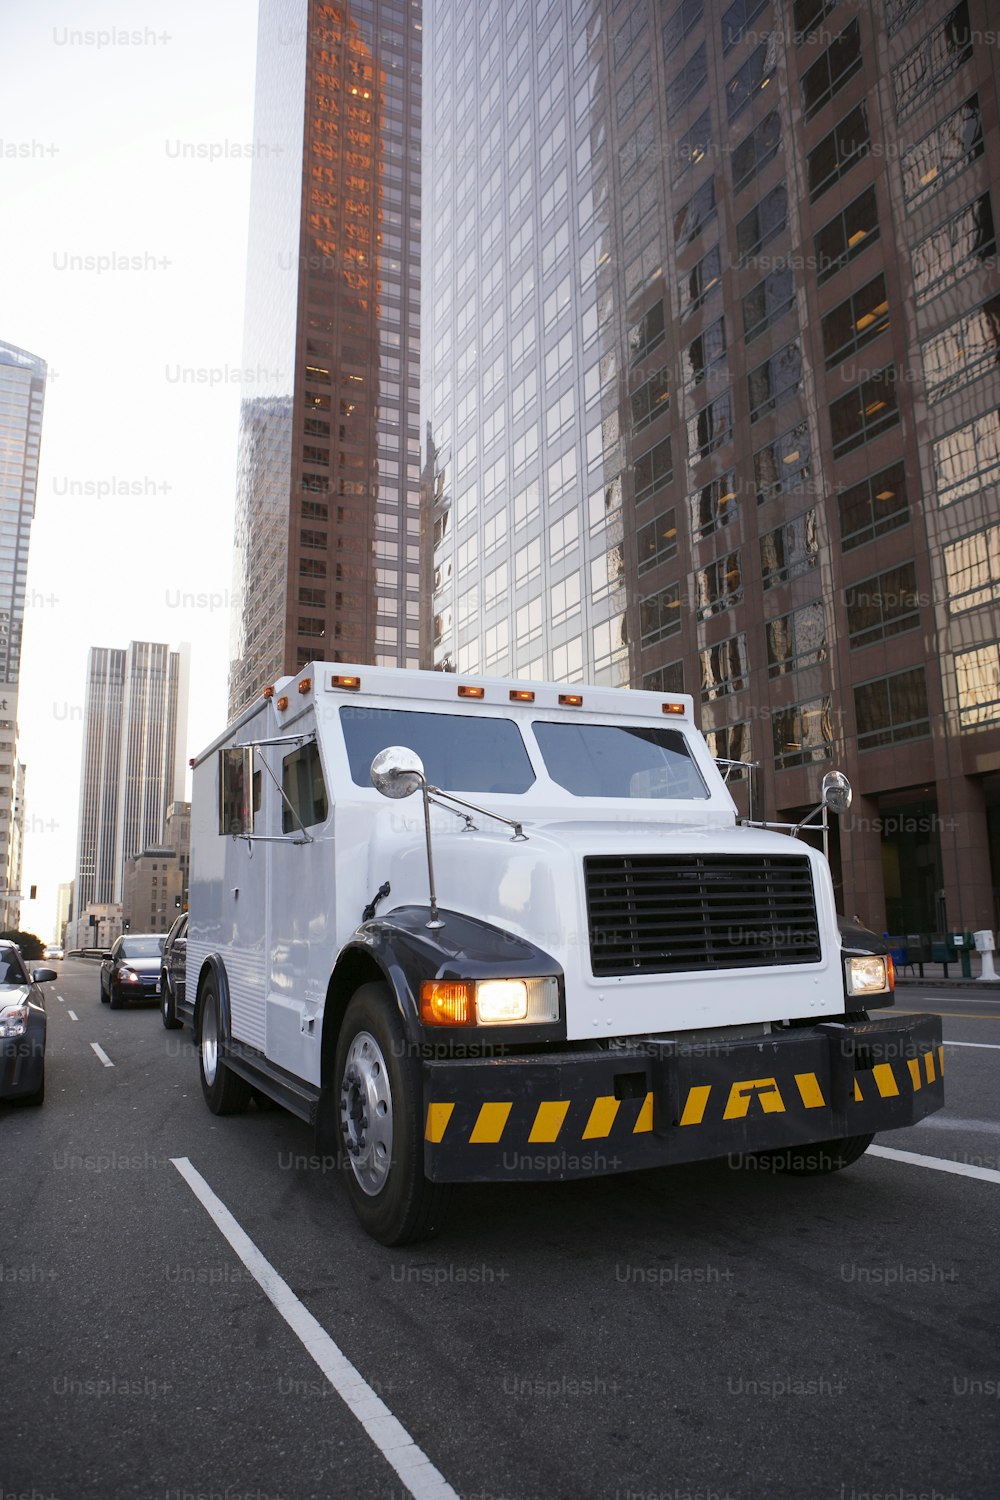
(22,1028)
(131,971)
(172,972)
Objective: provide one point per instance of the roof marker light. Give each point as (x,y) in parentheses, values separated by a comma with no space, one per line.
(673,708)
(521,695)
(305,684)
(350,684)
(268,691)
(465,691)
(282,704)
(571,700)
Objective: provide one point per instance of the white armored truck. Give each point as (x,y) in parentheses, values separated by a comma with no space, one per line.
(474,929)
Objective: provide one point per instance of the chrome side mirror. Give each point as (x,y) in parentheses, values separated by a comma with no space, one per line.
(836,792)
(397,772)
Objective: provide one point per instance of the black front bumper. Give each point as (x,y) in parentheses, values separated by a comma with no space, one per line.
(589,1113)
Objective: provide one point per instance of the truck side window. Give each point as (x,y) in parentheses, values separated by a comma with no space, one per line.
(233,811)
(302,783)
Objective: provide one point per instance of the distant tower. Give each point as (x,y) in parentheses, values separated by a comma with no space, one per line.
(22,397)
(327,533)
(134,735)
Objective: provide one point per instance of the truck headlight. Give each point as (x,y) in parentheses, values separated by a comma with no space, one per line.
(870,975)
(489,1002)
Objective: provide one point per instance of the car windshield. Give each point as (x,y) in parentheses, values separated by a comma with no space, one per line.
(619,760)
(149,947)
(460,753)
(11,968)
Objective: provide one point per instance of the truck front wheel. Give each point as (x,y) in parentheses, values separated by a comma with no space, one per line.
(381,1123)
(818,1158)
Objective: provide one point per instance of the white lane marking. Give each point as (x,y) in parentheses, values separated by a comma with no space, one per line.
(73,1015)
(935,1163)
(414,1468)
(61,1000)
(989,1046)
(105,1059)
(956,1122)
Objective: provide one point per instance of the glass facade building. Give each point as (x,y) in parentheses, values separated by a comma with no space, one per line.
(327,536)
(712,394)
(22,398)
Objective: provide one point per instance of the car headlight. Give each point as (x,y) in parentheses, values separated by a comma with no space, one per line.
(126,975)
(489,1002)
(870,975)
(14,1019)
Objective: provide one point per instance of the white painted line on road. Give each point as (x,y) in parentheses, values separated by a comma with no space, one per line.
(412,1465)
(105,1059)
(935,1163)
(73,1015)
(61,1000)
(986,1046)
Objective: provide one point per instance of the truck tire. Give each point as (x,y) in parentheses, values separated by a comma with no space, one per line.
(817,1159)
(226,1093)
(381,1123)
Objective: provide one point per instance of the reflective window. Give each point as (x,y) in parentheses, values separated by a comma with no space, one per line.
(725,668)
(718,586)
(653,470)
(790,550)
(784,464)
(668,679)
(936,56)
(944,152)
(968,459)
(802,733)
(972,570)
(660,615)
(657,542)
(963,244)
(304,802)
(892,709)
(460,753)
(755,151)
(692,147)
(846,145)
(647,333)
(846,235)
(700,281)
(873,508)
(807,15)
(713,506)
(870,408)
(650,400)
(963,352)
(618,760)
(796,640)
(766,219)
(856,321)
(755,74)
(768,301)
(831,70)
(686,84)
(736,19)
(882,606)
(699,210)
(977,676)
(775,381)
(731,742)
(705,355)
(897,12)
(710,427)
(681,23)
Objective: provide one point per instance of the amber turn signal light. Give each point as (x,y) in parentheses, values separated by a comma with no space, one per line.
(446,1002)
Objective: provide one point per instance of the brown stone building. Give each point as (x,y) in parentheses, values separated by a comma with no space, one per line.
(151,896)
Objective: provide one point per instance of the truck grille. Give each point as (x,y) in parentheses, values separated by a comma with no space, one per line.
(657,913)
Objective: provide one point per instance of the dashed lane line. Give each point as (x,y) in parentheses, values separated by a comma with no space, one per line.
(935,1163)
(414,1468)
(105,1059)
(73,1015)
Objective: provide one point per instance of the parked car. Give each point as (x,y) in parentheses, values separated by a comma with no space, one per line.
(22,1027)
(131,971)
(172,967)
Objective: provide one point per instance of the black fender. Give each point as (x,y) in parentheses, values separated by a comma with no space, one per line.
(214,966)
(855,942)
(407,952)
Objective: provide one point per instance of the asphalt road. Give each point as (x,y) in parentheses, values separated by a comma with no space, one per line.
(699,1332)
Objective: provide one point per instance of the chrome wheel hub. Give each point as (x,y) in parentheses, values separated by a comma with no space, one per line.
(209,1045)
(366,1113)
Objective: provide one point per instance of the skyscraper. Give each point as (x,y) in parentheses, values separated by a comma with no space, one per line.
(711,341)
(22,397)
(327,543)
(134,733)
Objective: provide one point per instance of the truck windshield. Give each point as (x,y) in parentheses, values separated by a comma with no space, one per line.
(460,753)
(618,760)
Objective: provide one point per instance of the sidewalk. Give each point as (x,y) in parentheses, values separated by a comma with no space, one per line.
(934,975)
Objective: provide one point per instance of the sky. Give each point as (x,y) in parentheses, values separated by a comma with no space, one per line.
(126,144)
